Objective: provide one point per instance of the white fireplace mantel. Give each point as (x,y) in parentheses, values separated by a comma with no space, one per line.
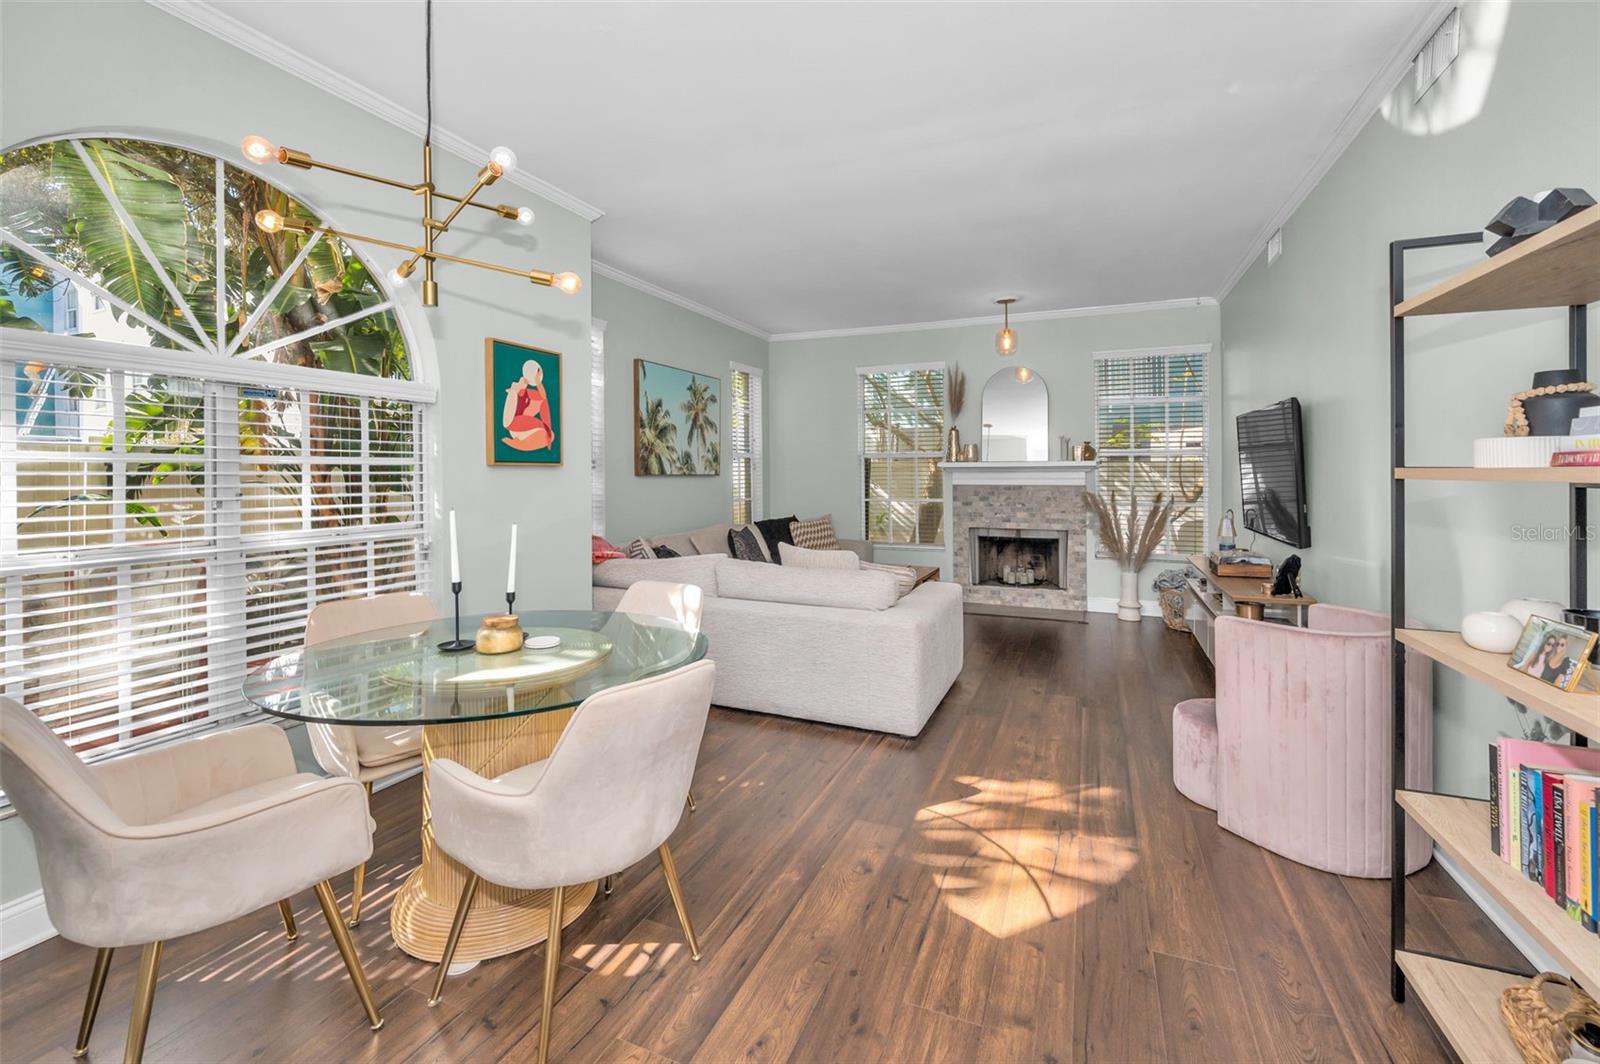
(1025,474)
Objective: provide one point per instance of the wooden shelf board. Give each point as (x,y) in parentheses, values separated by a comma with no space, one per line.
(1460,827)
(1526,474)
(1578,710)
(1559,267)
(1464,1002)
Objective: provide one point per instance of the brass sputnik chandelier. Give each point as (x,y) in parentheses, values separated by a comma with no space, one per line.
(501,161)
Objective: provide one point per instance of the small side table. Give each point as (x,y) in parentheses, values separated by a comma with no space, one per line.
(924,574)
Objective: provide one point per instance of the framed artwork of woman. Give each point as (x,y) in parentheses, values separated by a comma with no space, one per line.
(523,404)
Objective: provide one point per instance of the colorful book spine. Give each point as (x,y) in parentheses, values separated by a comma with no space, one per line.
(1585,873)
(1530,820)
(1549,809)
(1590,457)
(1496,826)
(1514,753)
(1594,863)
(1571,835)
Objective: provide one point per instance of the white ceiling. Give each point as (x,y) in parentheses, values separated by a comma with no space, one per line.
(823,166)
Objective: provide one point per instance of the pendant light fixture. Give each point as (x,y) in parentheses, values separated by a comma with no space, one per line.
(1005,341)
(500,162)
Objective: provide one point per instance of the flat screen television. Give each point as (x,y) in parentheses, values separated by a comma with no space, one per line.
(1272,473)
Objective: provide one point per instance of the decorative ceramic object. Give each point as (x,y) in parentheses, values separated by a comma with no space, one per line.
(542,642)
(500,634)
(969,453)
(1522,609)
(952,450)
(1548,408)
(1128,604)
(1517,452)
(1495,633)
(1522,218)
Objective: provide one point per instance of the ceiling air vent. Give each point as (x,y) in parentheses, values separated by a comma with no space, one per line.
(1440,51)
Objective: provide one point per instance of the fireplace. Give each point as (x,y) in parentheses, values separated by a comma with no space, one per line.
(1033,556)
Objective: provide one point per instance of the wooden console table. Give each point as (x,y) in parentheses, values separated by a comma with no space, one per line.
(1241,595)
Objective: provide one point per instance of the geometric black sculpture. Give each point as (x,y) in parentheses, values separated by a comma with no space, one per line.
(1522,218)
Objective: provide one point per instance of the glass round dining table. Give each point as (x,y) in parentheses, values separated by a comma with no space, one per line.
(488,712)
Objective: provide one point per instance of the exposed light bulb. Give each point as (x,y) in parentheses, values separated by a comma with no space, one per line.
(568,282)
(269,221)
(524,215)
(258,149)
(397,278)
(1023,374)
(1005,342)
(502,160)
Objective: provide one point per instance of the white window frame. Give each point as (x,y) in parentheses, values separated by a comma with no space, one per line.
(597,427)
(863,455)
(1167,549)
(755,392)
(201,358)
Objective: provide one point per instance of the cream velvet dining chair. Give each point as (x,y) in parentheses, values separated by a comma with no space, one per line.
(683,604)
(367,754)
(150,846)
(611,791)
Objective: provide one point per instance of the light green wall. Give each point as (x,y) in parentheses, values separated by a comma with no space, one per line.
(639,325)
(141,71)
(1315,325)
(813,410)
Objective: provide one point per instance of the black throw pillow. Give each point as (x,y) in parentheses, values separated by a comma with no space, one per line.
(776,530)
(666,552)
(743,545)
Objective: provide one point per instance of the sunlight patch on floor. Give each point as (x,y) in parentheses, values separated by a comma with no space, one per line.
(630,959)
(1009,857)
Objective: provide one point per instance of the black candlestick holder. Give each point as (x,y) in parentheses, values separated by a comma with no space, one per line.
(456,645)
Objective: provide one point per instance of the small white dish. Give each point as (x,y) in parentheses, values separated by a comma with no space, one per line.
(542,642)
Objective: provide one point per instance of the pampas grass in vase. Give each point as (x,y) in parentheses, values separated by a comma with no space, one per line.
(1133,538)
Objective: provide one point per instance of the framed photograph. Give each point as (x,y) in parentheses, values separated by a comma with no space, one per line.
(522,406)
(1553,651)
(676,422)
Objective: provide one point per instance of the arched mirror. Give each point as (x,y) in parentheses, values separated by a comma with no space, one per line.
(1016,416)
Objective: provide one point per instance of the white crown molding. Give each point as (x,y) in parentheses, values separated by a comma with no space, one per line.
(990,319)
(226,28)
(1355,120)
(24,923)
(640,284)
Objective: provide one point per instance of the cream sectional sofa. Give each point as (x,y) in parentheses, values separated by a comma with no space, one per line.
(839,647)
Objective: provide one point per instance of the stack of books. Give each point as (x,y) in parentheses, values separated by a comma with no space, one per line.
(1245,565)
(1544,818)
(1583,449)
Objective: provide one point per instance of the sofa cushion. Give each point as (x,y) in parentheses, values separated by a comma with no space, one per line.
(801,558)
(905,577)
(712,539)
(697,569)
(775,530)
(640,548)
(804,587)
(744,543)
(815,533)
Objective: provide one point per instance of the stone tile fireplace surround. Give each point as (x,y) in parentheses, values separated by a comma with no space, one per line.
(1010,512)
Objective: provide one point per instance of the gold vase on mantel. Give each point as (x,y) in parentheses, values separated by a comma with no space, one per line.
(952,450)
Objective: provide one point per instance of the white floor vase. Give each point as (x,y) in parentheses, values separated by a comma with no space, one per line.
(1128,604)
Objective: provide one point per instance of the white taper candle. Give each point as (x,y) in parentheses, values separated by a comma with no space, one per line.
(455,555)
(511,569)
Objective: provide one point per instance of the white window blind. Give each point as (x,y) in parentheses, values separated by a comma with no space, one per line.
(597,428)
(161,534)
(748,441)
(901,444)
(1152,428)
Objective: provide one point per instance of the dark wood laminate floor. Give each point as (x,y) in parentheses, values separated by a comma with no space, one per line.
(1021,882)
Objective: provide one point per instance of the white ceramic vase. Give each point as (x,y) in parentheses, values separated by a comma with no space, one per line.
(1524,608)
(1496,633)
(1128,604)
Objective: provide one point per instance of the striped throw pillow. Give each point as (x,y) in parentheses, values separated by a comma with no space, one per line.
(815,533)
(641,548)
(904,578)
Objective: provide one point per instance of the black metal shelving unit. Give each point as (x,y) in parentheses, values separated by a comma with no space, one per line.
(1578,558)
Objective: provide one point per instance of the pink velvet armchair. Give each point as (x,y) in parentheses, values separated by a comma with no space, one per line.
(1294,751)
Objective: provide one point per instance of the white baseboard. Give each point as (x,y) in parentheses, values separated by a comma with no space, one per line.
(1512,929)
(1108,604)
(24,923)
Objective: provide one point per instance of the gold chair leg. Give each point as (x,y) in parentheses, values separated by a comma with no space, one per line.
(608,884)
(347,950)
(467,891)
(91,1005)
(690,800)
(358,887)
(285,910)
(144,996)
(670,871)
(552,970)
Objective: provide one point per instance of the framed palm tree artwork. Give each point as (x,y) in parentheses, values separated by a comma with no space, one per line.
(676,422)
(523,404)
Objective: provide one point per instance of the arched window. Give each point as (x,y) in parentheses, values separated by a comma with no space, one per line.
(204,431)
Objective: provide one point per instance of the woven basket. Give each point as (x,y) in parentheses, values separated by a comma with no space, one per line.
(1173,605)
(1541,1016)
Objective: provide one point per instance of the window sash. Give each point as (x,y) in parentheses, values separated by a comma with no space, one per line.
(745,439)
(121,639)
(1151,436)
(901,419)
